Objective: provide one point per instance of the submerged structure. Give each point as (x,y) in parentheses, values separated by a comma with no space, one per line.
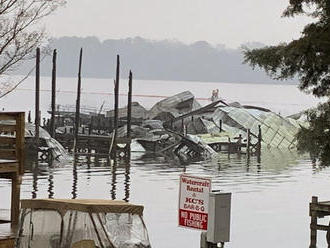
(165,127)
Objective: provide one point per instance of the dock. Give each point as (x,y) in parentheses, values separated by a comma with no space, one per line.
(318,210)
(11,167)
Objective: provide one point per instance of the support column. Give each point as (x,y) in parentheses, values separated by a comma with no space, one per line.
(15,199)
(313,225)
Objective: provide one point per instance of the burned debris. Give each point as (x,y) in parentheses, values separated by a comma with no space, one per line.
(179,128)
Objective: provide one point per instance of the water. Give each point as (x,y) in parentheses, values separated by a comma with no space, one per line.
(270,199)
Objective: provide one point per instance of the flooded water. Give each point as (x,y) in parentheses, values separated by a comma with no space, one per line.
(270,198)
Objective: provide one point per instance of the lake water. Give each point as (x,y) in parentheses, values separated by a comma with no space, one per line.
(269,201)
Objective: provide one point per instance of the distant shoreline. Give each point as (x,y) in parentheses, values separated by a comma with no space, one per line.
(166,81)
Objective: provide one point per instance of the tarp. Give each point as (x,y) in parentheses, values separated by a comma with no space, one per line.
(83,205)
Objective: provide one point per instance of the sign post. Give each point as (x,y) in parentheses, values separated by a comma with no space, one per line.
(193,202)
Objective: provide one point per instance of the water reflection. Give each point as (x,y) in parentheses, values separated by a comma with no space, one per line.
(90,178)
(74,181)
(50,184)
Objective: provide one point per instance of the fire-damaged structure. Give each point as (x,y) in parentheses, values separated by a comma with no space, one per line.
(179,127)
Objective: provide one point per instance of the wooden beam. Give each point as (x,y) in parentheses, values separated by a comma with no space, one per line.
(15,200)
(7,128)
(20,141)
(313,234)
(52,120)
(8,153)
(7,140)
(129,105)
(116,105)
(78,104)
(37,98)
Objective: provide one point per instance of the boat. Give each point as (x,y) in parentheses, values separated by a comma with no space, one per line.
(81,223)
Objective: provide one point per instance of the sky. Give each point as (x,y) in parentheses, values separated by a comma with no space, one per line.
(231,22)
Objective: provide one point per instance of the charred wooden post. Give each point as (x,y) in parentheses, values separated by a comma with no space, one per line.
(259,140)
(77,117)
(182,125)
(91,125)
(129,114)
(37,98)
(52,122)
(220,125)
(114,148)
(29,117)
(248,144)
(129,105)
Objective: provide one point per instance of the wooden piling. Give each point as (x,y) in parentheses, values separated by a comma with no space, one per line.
(15,199)
(114,148)
(52,122)
(129,105)
(29,117)
(248,144)
(313,225)
(76,130)
(259,141)
(37,98)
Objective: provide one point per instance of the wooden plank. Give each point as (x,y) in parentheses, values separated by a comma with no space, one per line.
(7,116)
(9,167)
(7,242)
(320,227)
(7,140)
(7,128)
(8,153)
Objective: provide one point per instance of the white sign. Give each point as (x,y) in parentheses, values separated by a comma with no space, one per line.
(193,201)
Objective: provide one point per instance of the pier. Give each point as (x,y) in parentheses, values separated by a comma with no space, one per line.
(318,210)
(11,167)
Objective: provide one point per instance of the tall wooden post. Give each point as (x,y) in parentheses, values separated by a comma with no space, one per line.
(52,122)
(259,140)
(116,107)
(313,225)
(220,125)
(75,143)
(37,98)
(129,105)
(248,143)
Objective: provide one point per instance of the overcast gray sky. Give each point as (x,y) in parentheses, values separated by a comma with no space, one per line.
(230,22)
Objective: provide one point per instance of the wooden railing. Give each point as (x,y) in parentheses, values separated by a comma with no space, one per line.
(12,131)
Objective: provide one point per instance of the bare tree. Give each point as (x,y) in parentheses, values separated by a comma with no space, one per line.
(21,30)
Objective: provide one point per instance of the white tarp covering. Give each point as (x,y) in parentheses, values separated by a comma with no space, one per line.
(42,228)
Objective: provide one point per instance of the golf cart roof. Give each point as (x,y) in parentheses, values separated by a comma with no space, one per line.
(83,205)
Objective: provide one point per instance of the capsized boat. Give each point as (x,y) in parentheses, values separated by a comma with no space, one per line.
(73,223)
